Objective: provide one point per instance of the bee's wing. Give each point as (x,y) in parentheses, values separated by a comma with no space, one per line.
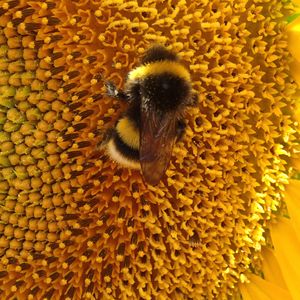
(158,133)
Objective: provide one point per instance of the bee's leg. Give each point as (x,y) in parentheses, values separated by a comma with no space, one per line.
(194,100)
(114,92)
(180,129)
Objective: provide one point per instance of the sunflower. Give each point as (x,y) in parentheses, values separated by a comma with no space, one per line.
(222,224)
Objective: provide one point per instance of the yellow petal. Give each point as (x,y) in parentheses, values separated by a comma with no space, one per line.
(293,204)
(281,264)
(261,289)
(287,252)
(293,38)
(296,161)
(295,70)
(271,269)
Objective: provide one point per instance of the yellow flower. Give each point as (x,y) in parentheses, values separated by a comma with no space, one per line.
(75,225)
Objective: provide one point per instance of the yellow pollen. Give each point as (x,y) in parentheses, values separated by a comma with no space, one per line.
(98,13)
(47,59)
(83,258)
(47,40)
(73,21)
(44,21)
(86,207)
(118,65)
(63,282)
(48,280)
(18,14)
(62,245)
(65,265)
(101,38)
(94,81)
(76,38)
(18,269)
(48,74)
(31,45)
(13,288)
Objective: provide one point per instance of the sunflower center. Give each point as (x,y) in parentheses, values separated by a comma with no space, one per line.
(74,223)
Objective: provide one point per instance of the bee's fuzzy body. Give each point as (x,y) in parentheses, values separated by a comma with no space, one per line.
(157,92)
(123,141)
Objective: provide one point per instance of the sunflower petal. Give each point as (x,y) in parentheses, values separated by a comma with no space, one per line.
(295,70)
(287,252)
(293,37)
(262,289)
(293,204)
(281,265)
(271,269)
(296,164)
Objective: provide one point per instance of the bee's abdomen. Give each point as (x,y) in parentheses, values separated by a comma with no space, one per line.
(128,132)
(123,145)
(125,149)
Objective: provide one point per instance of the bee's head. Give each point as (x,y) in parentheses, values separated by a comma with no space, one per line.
(166,91)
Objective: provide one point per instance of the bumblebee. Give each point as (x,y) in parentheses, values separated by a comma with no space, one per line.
(157,93)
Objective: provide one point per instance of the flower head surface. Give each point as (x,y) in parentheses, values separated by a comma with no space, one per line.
(78,226)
